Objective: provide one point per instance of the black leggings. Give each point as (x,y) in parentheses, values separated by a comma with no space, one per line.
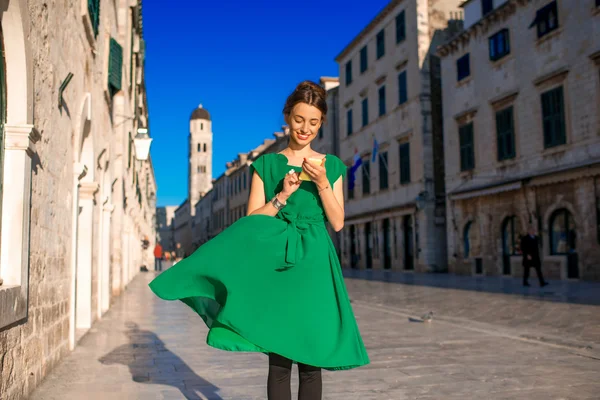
(280,373)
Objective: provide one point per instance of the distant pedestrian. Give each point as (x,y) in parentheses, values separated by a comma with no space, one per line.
(530,247)
(179,252)
(158,255)
(271,282)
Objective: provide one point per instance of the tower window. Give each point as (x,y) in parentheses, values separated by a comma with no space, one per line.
(205,147)
(201,125)
(199,147)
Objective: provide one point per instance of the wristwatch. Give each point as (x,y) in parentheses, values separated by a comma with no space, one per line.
(277,204)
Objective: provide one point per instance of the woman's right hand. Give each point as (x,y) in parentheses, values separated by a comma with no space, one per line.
(291,183)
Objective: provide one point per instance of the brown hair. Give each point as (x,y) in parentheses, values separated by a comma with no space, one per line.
(310,93)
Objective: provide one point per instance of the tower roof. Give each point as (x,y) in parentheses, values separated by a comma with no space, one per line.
(200,113)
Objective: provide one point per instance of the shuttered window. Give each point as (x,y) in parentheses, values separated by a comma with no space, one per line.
(505,134)
(364,61)
(400,27)
(366,176)
(383,171)
(402,94)
(365,112)
(382,108)
(404,163)
(94,10)
(467,151)
(553,115)
(115,63)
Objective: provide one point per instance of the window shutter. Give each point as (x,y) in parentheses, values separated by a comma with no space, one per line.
(115,63)
(94,10)
(405,163)
(400,27)
(402,94)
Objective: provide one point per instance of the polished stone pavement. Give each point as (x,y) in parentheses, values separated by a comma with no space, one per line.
(482,343)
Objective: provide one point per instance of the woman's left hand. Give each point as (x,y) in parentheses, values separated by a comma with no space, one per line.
(317,173)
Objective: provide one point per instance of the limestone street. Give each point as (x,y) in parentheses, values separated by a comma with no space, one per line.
(479,345)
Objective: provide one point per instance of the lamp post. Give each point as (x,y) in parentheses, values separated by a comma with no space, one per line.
(142,144)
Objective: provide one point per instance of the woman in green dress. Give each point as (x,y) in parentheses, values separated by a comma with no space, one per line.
(271,282)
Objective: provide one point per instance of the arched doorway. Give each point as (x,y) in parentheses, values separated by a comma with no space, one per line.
(563,240)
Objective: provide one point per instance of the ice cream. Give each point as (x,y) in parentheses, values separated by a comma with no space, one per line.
(316,161)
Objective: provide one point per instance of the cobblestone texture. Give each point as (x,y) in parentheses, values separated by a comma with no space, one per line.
(146,348)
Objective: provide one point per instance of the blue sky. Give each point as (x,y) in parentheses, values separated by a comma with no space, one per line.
(240,60)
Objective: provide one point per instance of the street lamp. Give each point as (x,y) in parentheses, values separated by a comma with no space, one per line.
(142,144)
(420,200)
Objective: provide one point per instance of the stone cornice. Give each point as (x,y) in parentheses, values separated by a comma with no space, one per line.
(21,137)
(482,26)
(556,75)
(88,189)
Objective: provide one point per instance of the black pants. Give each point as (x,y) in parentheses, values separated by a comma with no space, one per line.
(538,270)
(280,374)
(157,264)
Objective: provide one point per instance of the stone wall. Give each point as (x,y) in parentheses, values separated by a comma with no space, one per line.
(73,163)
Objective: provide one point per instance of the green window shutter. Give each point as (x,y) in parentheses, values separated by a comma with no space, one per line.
(467,156)
(383,171)
(400,27)
(364,63)
(380,41)
(553,115)
(405,163)
(505,134)
(94,10)
(366,176)
(382,108)
(402,94)
(365,112)
(115,63)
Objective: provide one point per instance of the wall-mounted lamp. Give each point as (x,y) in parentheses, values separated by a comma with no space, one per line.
(142,144)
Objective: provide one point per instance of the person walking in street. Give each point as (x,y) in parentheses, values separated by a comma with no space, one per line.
(271,282)
(158,255)
(179,252)
(530,247)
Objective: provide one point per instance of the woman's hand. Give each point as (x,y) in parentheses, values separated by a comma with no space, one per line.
(291,183)
(317,173)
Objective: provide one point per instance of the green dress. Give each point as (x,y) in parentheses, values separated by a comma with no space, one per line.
(273,284)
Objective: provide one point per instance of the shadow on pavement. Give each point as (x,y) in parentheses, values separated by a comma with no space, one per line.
(150,362)
(575,292)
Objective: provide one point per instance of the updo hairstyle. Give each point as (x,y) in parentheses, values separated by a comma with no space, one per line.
(310,93)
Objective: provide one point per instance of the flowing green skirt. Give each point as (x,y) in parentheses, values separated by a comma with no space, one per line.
(271,286)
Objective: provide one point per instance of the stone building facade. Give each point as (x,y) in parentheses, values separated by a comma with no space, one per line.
(521,93)
(389,94)
(82,192)
(165,226)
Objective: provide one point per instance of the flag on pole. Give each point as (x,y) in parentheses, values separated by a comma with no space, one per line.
(357,163)
(375,149)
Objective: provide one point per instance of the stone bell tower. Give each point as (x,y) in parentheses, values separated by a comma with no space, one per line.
(200,156)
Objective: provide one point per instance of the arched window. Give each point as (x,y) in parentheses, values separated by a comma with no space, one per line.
(562,232)
(199,147)
(510,237)
(205,147)
(467,239)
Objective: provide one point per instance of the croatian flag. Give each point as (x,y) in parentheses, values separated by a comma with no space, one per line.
(375,149)
(357,163)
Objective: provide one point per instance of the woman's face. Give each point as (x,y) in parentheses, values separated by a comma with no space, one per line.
(304,122)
